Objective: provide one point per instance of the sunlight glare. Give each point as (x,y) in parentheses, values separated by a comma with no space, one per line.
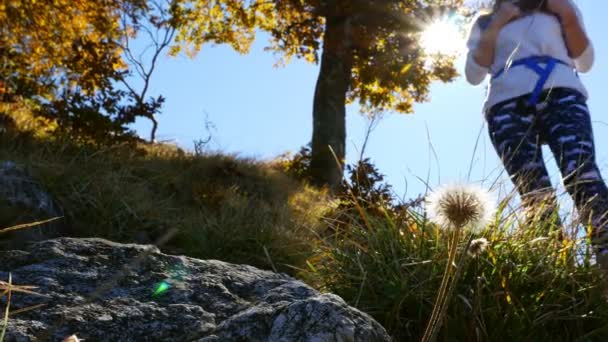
(442,37)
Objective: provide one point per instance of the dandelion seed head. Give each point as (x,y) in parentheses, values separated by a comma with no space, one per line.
(456,206)
(477,247)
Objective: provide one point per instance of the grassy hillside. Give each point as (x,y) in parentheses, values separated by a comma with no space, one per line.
(223,206)
(384,258)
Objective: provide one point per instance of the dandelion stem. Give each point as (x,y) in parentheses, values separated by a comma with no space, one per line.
(444,279)
(431,327)
(454,207)
(452,286)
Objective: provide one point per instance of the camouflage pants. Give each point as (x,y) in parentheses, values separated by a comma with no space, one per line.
(561,121)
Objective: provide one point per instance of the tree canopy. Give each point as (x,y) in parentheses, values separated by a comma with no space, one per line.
(369,51)
(74,59)
(389,69)
(74,53)
(61,41)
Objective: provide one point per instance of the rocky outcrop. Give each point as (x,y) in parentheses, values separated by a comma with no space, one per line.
(22,201)
(104,291)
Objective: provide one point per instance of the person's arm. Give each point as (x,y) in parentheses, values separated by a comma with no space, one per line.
(482,44)
(474,72)
(578,43)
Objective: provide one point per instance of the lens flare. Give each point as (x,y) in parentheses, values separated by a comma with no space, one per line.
(442,37)
(176,277)
(161,288)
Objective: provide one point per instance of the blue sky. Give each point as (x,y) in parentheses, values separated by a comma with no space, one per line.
(261,111)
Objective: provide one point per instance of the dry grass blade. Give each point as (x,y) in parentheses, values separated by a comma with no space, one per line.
(8,305)
(9,287)
(28,225)
(29,308)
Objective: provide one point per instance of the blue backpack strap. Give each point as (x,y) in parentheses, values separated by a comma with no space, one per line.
(534,63)
(543,76)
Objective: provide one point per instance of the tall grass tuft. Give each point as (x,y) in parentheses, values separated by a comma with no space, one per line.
(523,286)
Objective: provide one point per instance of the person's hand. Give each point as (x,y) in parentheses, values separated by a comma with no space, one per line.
(506,12)
(563,9)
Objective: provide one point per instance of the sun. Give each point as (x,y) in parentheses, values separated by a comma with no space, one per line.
(442,37)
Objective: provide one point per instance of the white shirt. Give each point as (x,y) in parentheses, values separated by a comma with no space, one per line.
(535,34)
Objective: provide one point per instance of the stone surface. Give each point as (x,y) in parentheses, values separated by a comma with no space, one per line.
(23,200)
(104,291)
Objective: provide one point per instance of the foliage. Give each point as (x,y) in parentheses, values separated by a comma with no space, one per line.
(367,184)
(296,166)
(71,57)
(231,22)
(100,117)
(371,52)
(390,70)
(364,185)
(60,43)
(364,193)
(364,182)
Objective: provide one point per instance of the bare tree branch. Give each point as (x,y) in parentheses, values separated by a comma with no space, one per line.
(160,34)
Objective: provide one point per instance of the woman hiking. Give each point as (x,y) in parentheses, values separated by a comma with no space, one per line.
(533,51)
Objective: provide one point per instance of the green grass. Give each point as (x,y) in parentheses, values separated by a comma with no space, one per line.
(523,288)
(385,260)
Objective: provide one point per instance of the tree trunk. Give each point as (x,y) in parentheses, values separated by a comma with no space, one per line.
(154,129)
(329,108)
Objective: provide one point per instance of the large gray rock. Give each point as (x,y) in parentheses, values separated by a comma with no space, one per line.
(23,200)
(104,291)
